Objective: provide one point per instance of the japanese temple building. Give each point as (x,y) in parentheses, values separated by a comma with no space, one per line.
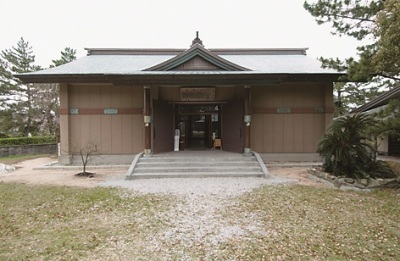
(128,101)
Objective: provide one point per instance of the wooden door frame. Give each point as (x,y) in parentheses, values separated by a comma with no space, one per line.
(159,146)
(233,131)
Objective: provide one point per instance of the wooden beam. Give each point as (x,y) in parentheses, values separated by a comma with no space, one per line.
(247,119)
(147,121)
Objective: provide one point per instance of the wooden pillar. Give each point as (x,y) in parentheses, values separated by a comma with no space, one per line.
(328,104)
(65,150)
(247,120)
(147,121)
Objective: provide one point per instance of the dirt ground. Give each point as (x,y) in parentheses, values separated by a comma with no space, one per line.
(26,174)
(296,173)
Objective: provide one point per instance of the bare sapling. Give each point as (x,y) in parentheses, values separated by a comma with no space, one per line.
(86,152)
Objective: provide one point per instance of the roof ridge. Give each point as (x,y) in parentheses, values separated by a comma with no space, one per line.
(217,51)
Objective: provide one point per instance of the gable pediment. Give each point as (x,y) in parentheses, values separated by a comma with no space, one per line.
(197,58)
(197,63)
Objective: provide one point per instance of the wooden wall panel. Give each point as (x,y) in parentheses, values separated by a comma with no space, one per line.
(257,132)
(268,133)
(137,97)
(95,136)
(126,96)
(95,97)
(298,138)
(300,129)
(64,120)
(74,97)
(288,97)
(127,134)
(319,128)
(268,97)
(116,134)
(257,97)
(298,97)
(84,97)
(105,97)
(278,97)
(75,132)
(312,95)
(225,93)
(309,139)
(288,133)
(64,92)
(278,128)
(297,131)
(106,134)
(64,134)
(138,133)
(169,94)
(116,97)
(85,130)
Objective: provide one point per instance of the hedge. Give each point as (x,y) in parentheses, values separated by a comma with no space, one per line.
(27,141)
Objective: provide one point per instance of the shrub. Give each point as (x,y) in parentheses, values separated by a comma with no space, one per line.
(27,141)
(347,150)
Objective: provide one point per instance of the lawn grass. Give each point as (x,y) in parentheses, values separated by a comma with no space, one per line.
(297,223)
(10,160)
(307,223)
(68,223)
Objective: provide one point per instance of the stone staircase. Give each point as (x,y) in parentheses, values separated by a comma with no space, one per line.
(196,165)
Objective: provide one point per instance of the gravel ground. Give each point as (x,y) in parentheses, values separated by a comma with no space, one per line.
(196,187)
(197,219)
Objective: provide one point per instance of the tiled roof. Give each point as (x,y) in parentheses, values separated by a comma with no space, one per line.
(379,101)
(130,62)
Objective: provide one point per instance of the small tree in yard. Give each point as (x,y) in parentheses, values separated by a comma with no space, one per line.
(348,148)
(85,153)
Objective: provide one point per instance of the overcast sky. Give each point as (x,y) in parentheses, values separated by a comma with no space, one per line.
(51,25)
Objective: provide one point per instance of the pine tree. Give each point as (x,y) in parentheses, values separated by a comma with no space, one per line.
(386,60)
(68,55)
(377,67)
(28,108)
(16,101)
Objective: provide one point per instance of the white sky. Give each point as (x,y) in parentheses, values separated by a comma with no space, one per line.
(51,25)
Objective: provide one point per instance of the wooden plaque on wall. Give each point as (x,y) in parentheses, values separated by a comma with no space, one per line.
(197,94)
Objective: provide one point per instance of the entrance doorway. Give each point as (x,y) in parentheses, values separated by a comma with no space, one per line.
(199,125)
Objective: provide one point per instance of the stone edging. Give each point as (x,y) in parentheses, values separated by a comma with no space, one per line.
(352,184)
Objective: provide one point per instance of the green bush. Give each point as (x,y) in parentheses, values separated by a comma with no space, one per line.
(347,151)
(27,141)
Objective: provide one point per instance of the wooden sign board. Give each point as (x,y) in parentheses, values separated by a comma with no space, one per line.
(197,94)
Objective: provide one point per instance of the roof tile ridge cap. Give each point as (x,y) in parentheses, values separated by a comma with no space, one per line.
(133,51)
(260,51)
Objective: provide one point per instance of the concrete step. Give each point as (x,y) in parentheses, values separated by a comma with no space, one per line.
(196,169)
(200,165)
(196,159)
(196,175)
(196,164)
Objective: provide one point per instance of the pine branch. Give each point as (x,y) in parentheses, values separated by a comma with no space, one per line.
(388,76)
(360,20)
